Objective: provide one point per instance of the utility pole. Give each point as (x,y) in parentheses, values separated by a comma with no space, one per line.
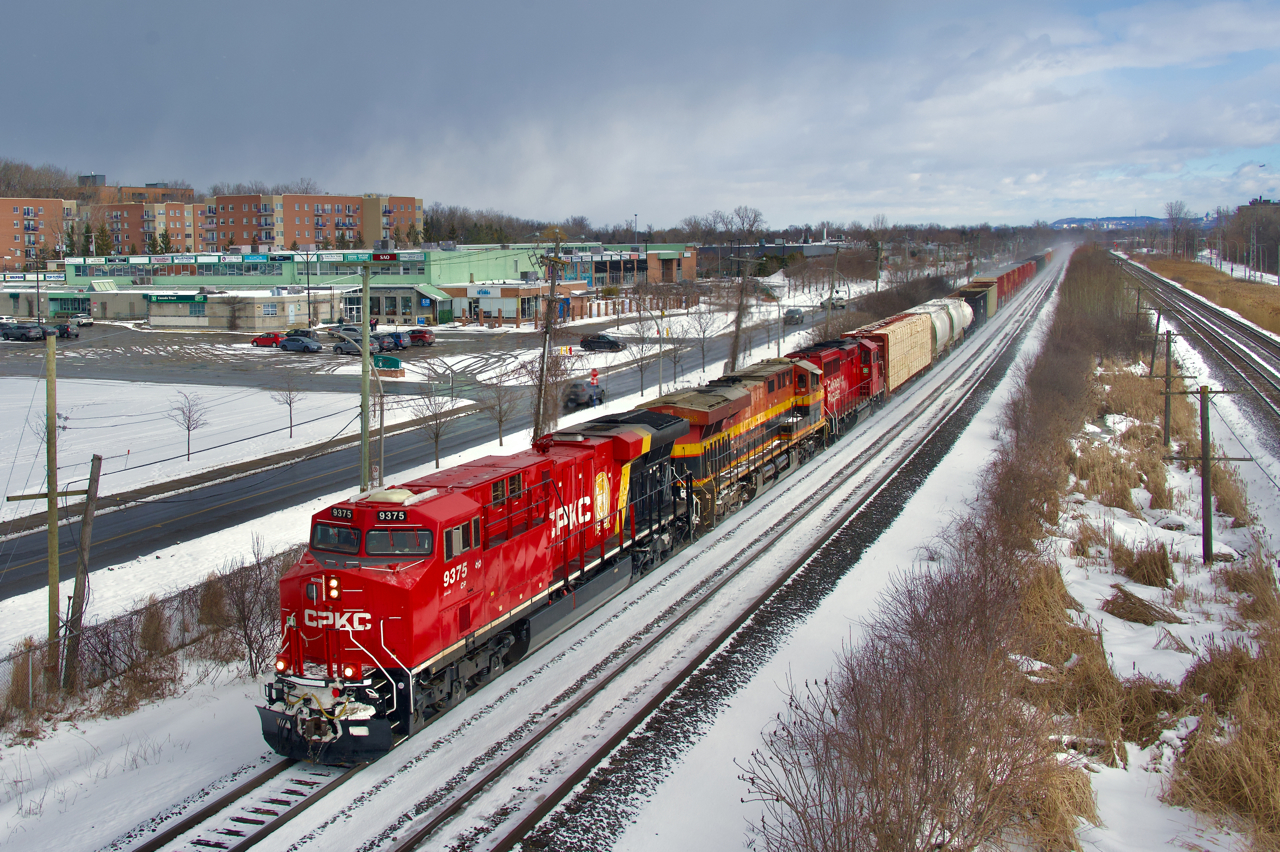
(75,618)
(540,404)
(831,295)
(737,319)
(365,336)
(51,462)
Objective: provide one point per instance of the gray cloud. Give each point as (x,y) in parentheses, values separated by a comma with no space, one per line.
(924,111)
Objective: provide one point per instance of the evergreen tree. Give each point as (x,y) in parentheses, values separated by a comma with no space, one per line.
(166,242)
(69,239)
(326,243)
(342,242)
(133,249)
(453,234)
(86,241)
(102,241)
(396,237)
(231,240)
(414,236)
(359,240)
(293,246)
(153,245)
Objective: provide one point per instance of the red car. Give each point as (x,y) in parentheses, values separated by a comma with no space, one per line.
(422,337)
(271,338)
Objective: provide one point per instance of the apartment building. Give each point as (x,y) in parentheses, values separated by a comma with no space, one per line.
(31,224)
(133,225)
(310,221)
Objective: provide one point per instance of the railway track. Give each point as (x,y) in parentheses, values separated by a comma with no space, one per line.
(686,638)
(252,810)
(1252,356)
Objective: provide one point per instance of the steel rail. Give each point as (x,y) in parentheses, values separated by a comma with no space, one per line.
(1202,320)
(290,808)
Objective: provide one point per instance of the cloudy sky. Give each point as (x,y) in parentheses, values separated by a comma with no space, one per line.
(1000,111)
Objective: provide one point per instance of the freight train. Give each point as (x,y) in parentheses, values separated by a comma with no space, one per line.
(409,597)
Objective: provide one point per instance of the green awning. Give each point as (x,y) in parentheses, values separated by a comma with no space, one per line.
(432,292)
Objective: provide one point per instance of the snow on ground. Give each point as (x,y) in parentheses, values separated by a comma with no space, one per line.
(128,424)
(1235,270)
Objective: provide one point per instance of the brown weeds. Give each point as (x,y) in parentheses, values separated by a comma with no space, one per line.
(1125,605)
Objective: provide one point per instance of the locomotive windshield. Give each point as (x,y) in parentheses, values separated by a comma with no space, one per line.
(400,541)
(335,539)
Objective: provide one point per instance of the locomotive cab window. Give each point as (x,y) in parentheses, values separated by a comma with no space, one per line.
(399,541)
(499,490)
(459,539)
(771,386)
(335,539)
(866,356)
(801,383)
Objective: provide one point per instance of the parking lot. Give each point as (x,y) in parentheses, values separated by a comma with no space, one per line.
(121,351)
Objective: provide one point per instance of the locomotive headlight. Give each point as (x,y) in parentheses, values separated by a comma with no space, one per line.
(282,665)
(351,672)
(335,591)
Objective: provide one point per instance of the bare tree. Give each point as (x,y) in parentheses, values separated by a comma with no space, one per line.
(643,345)
(251,598)
(288,396)
(235,306)
(748,222)
(674,350)
(500,402)
(436,414)
(1177,215)
(559,372)
(188,411)
(703,321)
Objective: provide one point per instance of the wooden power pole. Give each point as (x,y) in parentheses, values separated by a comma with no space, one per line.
(75,619)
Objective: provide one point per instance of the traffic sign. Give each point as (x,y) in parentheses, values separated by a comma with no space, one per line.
(595,376)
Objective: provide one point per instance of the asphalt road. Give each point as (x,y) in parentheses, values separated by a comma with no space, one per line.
(141,529)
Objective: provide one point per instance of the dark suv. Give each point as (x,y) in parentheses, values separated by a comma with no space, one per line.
(66,329)
(580,394)
(793,316)
(602,342)
(28,331)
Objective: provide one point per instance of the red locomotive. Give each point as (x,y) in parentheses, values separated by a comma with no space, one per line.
(410,596)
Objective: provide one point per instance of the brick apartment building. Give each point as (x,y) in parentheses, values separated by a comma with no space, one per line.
(133,224)
(279,221)
(30,224)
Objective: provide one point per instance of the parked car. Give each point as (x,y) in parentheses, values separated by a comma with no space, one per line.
(399,339)
(382,343)
(82,320)
(835,302)
(303,332)
(580,394)
(299,343)
(422,337)
(346,331)
(66,329)
(5,319)
(271,338)
(793,316)
(602,342)
(346,347)
(21,331)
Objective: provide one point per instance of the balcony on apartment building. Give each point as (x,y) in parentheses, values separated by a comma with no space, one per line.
(30,227)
